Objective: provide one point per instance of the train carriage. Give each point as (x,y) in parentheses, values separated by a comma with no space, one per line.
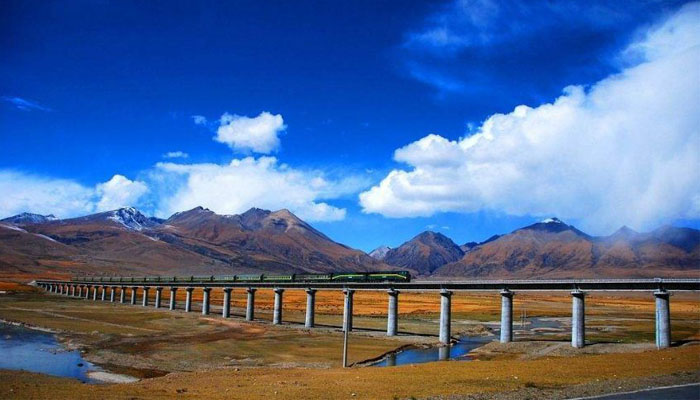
(378,276)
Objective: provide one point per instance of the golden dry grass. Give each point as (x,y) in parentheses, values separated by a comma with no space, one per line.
(433,379)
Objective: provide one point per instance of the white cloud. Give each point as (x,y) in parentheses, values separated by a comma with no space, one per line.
(64,198)
(30,193)
(199,119)
(119,192)
(176,154)
(250,182)
(258,134)
(624,151)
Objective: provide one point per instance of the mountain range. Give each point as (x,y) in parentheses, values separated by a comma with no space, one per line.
(554,249)
(199,241)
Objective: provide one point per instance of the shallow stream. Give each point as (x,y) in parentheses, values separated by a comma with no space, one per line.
(37,351)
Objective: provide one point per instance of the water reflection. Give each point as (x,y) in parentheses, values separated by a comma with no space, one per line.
(391,360)
(444,353)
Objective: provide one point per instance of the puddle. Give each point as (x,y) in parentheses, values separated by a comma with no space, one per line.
(458,350)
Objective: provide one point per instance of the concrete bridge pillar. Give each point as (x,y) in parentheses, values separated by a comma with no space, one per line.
(310,319)
(94,292)
(122,294)
(159,294)
(205,301)
(663,319)
(392,321)
(578,319)
(445,316)
(133,295)
(188,299)
(145,296)
(277,311)
(104,293)
(112,293)
(347,310)
(80,291)
(226,311)
(87,291)
(250,306)
(506,316)
(173,298)
(72,290)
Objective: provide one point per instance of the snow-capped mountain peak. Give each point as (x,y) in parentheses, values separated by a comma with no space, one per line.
(380,252)
(26,218)
(131,218)
(552,220)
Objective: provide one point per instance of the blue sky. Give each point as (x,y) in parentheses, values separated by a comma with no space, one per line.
(326,108)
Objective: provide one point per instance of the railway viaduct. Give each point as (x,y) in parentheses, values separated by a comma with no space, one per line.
(660,288)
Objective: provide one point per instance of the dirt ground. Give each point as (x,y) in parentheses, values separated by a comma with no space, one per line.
(188,354)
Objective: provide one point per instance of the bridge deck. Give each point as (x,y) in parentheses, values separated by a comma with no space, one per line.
(473,285)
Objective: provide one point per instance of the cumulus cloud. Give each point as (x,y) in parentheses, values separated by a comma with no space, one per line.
(64,198)
(251,182)
(176,154)
(624,151)
(119,192)
(258,134)
(23,192)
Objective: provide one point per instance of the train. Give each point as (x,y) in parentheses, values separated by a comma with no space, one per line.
(379,276)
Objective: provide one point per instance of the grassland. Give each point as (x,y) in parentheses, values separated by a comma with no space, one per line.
(214,357)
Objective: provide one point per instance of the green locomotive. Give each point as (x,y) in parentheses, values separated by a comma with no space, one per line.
(380,276)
